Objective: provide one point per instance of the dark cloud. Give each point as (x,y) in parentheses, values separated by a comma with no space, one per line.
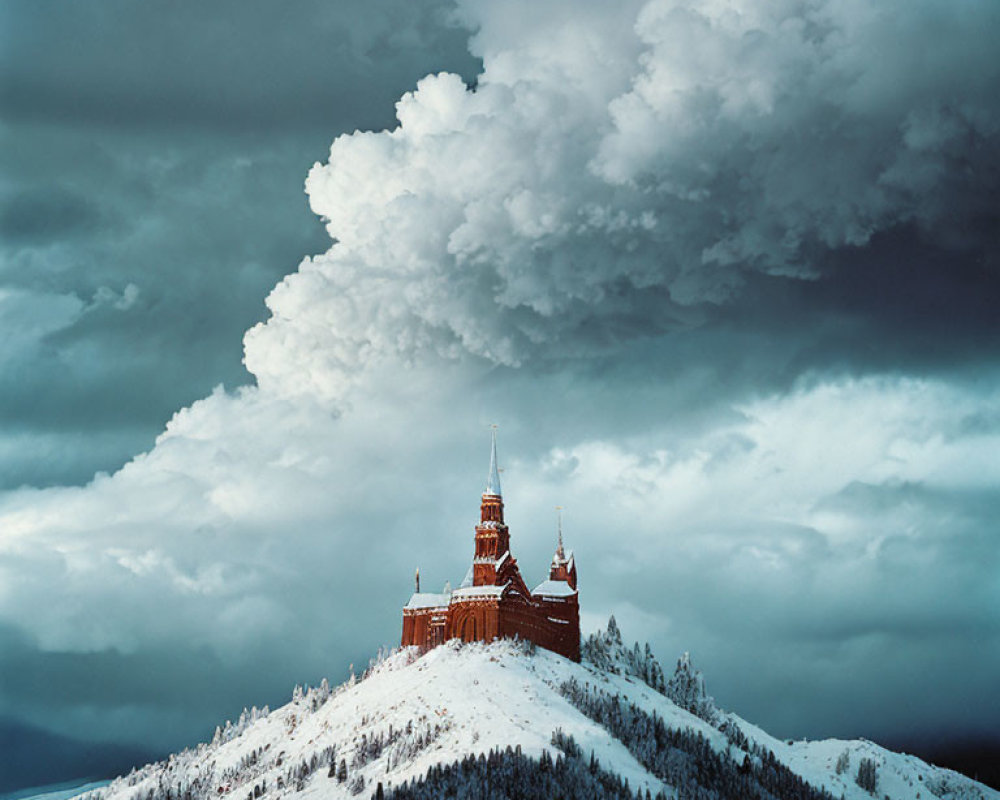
(35,757)
(234,66)
(46,216)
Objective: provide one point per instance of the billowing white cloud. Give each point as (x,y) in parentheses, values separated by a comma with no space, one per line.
(618,166)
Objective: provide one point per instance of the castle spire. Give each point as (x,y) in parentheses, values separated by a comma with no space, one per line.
(493,481)
(560,553)
(492,539)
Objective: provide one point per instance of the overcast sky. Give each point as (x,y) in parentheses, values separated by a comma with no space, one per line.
(725,274)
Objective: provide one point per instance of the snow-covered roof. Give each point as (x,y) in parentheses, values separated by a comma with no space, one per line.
(493,480)
(491,559)
(480,591)
(428,600)
(554,589)
(467,580)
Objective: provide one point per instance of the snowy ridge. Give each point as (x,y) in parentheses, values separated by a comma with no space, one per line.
(411,712)
(899,775)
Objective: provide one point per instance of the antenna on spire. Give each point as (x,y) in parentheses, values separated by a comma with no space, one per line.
(559,548)
(493,480)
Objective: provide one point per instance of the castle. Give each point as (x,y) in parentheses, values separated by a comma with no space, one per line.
(493,601)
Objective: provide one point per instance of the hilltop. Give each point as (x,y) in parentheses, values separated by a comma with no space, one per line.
(508,720)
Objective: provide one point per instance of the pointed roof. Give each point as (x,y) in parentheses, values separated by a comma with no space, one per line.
(493,481)
(560,553)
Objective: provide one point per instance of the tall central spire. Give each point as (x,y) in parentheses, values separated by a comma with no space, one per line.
(493,481)
(492,537)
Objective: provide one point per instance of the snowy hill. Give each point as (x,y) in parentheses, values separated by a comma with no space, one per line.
(418,725)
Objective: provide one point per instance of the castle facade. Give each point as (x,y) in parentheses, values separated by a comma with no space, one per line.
(493,601)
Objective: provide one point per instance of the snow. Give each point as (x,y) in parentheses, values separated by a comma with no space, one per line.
(554,589)
(899,775)
(481,696)
(479,591)
(428,600)
(497,562)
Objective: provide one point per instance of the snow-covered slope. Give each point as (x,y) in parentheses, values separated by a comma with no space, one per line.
(413,711)
(899,775)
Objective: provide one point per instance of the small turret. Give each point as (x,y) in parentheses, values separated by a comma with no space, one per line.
(560,555)
(563,566)
(416,581)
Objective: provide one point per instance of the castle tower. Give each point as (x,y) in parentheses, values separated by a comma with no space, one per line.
(563,567)
(492,535)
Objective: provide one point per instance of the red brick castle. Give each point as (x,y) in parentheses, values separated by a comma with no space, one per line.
(493,601)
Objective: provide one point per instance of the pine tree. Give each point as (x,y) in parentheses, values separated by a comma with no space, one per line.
(867,777)
(686,688)
(614,635)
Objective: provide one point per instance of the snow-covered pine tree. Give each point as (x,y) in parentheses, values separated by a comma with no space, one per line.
(686,688)
(867,777)
(614,635)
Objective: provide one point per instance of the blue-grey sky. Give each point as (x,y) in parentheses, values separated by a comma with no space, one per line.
(725,275)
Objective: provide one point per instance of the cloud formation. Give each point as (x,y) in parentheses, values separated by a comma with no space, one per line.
(602,180)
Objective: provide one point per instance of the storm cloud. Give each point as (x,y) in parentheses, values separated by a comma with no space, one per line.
(722,273)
